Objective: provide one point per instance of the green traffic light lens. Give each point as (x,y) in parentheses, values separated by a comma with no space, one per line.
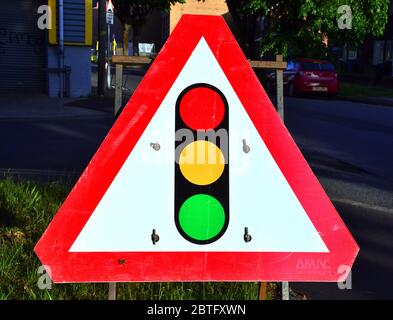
(202,217)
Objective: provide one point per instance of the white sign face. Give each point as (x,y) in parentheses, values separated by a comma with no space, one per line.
(141,195)
(145,49)
(110,18)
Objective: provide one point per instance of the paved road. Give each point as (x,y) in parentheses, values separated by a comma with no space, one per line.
(350,148)
(54,149)
(348,145)
(358,134)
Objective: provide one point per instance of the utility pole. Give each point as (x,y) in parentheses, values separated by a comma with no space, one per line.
(102,49)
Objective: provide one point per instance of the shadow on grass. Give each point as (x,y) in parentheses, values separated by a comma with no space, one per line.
(7,219)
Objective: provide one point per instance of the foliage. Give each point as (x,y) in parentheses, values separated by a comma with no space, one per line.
(133,14)
(300,26)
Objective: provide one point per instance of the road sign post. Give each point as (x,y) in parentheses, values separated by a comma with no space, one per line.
(118,83)
(262,295)
(251,211)
(110,19)
(102,48)
(108,71)
(280,110)
(280,89)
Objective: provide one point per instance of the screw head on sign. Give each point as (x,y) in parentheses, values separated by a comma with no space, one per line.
(247,236)
(155,146)
(246,148)
(155,237)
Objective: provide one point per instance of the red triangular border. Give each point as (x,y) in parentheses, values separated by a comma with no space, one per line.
(52,249)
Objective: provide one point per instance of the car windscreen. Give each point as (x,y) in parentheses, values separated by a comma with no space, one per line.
(317,66)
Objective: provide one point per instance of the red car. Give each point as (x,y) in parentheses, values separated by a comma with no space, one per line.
(307,76)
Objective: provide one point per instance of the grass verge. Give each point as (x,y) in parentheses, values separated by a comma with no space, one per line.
(25,211)
(349,90)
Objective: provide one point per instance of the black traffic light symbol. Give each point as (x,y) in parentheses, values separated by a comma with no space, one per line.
(201,168)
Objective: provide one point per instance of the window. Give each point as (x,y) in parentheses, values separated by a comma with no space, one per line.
(77,22)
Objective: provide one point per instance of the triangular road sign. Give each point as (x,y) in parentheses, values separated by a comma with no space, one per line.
(110,7)
(146,210)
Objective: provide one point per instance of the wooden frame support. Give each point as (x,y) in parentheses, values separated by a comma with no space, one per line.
(131,60)
(112,291)
(119,60)
(118,82)
(280,88)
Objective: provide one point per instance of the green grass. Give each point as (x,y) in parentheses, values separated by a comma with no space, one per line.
(25,211)
(363,90)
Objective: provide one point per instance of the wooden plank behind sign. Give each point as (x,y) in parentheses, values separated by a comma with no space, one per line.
(131,60)
(256,64)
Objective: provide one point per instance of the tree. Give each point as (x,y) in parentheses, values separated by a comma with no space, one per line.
(133,13)
(300,27)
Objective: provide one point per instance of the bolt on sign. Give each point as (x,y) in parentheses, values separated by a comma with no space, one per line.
(198,180)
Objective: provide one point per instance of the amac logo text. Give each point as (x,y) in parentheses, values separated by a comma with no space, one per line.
(313,264)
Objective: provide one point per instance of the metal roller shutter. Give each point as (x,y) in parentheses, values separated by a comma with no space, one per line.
(22,47)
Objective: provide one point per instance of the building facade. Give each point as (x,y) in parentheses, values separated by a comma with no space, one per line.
(373,58)
(32,59)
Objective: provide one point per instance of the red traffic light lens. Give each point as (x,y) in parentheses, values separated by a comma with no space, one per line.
(202,108)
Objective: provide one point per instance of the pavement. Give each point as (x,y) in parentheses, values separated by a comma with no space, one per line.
(51,139)
(14,106)
(41,107)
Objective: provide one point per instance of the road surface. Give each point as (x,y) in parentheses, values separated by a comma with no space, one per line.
(350,148)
